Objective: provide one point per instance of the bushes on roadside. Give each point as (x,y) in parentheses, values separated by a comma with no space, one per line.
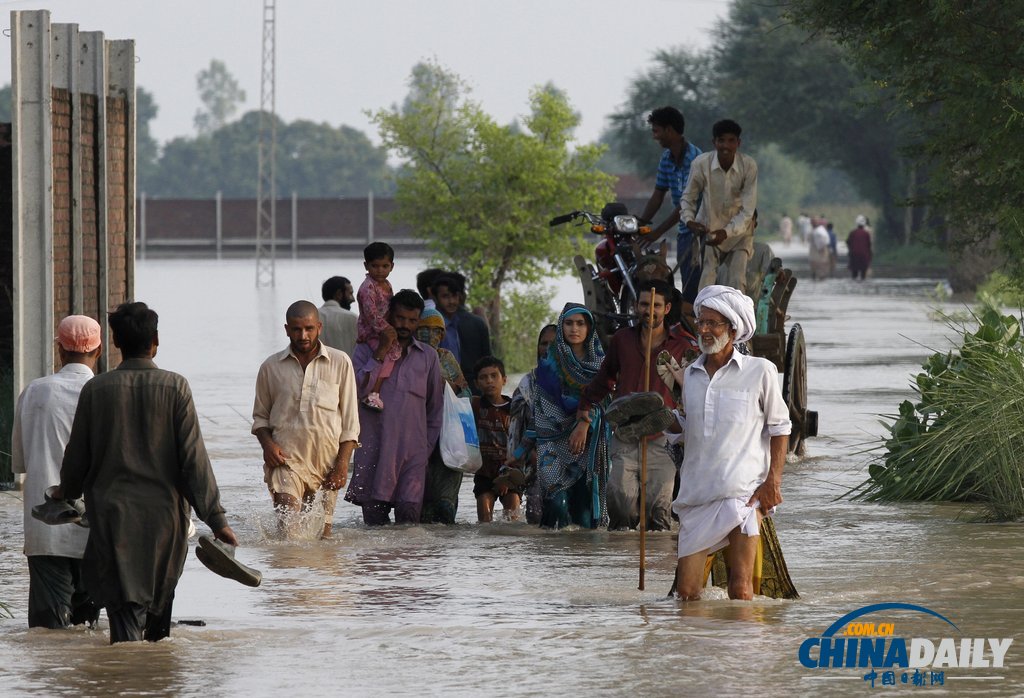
(963,440)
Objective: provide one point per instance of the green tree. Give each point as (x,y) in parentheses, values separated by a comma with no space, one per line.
(315,160)
(678,77)
(784,182)
(147,152)
(802,91)
(480,193)
(221,96)
(956,73)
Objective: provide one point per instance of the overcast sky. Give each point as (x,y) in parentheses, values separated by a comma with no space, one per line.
(336,59)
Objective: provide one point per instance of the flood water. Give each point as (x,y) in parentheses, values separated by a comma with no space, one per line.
(507,608)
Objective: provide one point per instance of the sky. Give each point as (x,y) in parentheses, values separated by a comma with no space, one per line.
(337,60)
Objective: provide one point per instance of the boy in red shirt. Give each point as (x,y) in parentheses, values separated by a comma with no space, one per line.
(492,411)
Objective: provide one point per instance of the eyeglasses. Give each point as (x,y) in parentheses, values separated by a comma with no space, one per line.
(708,324)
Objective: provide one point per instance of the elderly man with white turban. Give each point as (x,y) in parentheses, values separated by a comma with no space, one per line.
(737,432)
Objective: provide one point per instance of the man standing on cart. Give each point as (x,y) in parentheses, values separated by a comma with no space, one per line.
(719,203)
(667,125)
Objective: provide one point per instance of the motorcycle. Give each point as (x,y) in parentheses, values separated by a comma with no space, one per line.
(610,285)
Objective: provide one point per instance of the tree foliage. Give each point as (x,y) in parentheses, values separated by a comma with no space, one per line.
(221,96)
(480,193)
(678,77)
(803,92)
(313,159)
(955,71)
(147,152)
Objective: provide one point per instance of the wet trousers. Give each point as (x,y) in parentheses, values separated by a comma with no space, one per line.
(624,485)
(56,596)
(379,513)
(571,506)
(131,623)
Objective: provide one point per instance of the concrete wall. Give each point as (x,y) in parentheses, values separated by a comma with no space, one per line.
(189,227)
(72,197)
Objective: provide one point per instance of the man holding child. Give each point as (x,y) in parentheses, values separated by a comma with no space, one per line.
(390,468)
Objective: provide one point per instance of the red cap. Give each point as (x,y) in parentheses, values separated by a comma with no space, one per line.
(78,333)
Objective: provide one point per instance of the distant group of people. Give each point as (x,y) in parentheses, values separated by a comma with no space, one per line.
(822,245)
(367,390)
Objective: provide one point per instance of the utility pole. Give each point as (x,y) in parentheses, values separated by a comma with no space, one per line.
(266,193)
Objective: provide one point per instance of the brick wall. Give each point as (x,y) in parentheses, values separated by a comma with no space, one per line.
(117,207)
(63,280)
(88,206)
(195,220)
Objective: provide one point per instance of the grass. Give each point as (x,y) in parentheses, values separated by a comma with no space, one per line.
(961,440)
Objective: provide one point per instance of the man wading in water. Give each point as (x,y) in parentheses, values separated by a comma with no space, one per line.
(305,417)
(137,455)
(737,430)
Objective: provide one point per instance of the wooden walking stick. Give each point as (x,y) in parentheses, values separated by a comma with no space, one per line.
(643,443)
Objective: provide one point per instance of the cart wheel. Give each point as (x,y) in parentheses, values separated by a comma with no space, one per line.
(794,389)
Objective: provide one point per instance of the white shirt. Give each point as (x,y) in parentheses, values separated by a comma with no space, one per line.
(339,327)
(730,419)
(42,427)
(728,198)
(820,239)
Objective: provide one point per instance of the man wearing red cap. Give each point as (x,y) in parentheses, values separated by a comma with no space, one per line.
(42,425)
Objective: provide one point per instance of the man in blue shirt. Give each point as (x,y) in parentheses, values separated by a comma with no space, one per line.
(667,126)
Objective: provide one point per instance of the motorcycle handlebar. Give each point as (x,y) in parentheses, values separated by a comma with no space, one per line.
(559,220)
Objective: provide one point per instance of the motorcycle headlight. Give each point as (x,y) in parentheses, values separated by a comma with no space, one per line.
(627,224)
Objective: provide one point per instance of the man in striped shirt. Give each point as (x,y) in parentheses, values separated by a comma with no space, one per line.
(667,126)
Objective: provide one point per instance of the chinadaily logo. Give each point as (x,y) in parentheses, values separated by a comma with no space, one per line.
(875,645)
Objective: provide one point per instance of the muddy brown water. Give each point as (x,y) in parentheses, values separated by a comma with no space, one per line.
(508,608)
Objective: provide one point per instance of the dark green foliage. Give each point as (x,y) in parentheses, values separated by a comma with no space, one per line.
(955,73)
(680,78)
(802,91)
(962,438)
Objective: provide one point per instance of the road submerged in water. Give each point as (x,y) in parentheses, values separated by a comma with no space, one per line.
(509,608)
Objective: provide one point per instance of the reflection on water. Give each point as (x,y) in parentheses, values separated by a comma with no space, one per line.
(507,607)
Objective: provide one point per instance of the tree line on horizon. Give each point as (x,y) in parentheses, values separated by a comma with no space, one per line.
(916,113)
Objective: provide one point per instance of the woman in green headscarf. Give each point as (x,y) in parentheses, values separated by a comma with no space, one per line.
(441,493)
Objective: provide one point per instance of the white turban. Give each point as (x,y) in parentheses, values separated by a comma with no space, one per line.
(736,306)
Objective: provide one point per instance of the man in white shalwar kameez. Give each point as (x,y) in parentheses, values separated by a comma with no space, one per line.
(737,432)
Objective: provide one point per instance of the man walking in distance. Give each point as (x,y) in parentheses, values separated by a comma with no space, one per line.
(339,322)
(137,454)
(391,466)
(667,126)
(623,371)
(305,418)
(737,432)
(724,184)
(42,426)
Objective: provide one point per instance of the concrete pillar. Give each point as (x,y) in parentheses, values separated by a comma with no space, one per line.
(67,62)
(32,162)
(121,85)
